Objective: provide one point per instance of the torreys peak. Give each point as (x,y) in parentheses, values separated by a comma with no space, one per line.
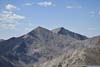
(63,31)
(60,30)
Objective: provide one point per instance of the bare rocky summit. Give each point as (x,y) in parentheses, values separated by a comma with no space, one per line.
(50,48)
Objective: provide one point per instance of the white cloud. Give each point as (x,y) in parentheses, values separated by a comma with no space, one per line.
(5,12)
(29,4)
(8,19)
(10,16)
(10,7)
(71,6)
(45,3)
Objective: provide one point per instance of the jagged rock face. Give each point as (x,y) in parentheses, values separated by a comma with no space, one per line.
(44,48)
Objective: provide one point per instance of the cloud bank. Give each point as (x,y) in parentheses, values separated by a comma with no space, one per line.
(43,3)
(8,19)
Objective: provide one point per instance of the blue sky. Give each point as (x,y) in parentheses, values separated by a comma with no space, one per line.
(18,17)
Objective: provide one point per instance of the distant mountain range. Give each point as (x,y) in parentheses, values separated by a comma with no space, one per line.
(50,48)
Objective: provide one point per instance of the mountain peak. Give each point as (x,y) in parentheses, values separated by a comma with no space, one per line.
(63,31)
(60,30)
(39,27)
(39,31)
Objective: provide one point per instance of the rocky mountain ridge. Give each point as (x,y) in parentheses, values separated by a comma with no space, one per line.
(49,48)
